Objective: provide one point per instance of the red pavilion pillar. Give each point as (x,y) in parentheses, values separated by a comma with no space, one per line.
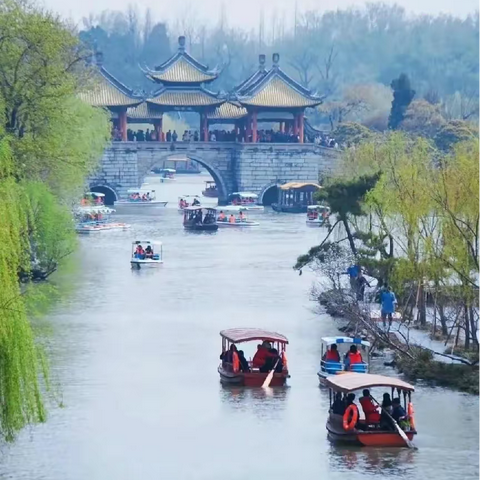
(122,124)
(301,125)
(254,127)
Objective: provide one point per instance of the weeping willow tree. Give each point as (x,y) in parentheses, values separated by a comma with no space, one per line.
(49,142)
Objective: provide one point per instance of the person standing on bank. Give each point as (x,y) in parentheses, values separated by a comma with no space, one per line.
(388,301)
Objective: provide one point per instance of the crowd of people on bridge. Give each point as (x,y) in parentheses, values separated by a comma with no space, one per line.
(263,136)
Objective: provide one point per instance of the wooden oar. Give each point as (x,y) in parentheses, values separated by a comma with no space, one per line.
(397,427)
(267,381)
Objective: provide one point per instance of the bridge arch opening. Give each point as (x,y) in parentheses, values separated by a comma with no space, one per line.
(216,176)
(110,194)
(270,195)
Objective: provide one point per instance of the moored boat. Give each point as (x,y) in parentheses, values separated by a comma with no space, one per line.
(295,197)
(234,369)
(211,189)
(200,219)
(349,428)
(329,365)
(318,216)
(146,253)
(94,219)
(247,200)
(140,198)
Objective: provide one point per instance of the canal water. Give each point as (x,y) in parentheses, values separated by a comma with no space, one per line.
(135,354)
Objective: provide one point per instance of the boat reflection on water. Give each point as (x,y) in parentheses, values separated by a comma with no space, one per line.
(387,462)
(263,402)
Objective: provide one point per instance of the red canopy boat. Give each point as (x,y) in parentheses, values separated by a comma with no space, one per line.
(234,373)
(349,428)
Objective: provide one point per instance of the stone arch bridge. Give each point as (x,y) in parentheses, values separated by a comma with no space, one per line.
(234,166)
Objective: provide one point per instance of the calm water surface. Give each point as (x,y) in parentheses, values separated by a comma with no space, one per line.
(136,354)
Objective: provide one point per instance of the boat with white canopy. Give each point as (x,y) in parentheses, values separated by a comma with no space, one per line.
(146,253)
(248,200)
(143,197)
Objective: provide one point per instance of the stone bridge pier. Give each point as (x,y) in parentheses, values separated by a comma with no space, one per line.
(234,166)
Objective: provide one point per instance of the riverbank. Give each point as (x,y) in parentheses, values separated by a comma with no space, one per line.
(412,358)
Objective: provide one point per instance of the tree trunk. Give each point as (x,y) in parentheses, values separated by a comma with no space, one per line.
(467,328)
(473,326)
(443,318)
(350,236)
(422,307)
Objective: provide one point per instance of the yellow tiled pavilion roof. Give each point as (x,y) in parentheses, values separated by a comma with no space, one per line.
(107,91)
(279,94)
(182,98)
(181,71)
(181,68)
(227,111)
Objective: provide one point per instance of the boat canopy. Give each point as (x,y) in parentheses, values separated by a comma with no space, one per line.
(140,190)
(337,340)
(315,207)
(298,185)
(199,207)
(169,170)
(146,242)
(239,335)
(350,381)
(244,194)
(210,182)
(96,194)
(188,196)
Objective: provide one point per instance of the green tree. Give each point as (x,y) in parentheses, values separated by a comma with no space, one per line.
(351,133)
(402,96)
(453,132)
(422,119)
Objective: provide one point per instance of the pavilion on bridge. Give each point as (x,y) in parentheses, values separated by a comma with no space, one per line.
(267,96)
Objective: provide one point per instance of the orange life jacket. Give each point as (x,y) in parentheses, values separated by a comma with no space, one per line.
(332,356)
(355,357)
(370,410)
(235,362)
(232,219)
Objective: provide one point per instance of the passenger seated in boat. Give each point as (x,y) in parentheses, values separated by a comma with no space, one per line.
(195,202)
(261,354)
(400,415)
(243,361)
(273,358)
(387,408)
(350,400)
(222,217)
(352,357)
(232,218)
(369,408)
(227,355)
(242,216)
(148,252)
(332,354)
(139,252)
(338,405)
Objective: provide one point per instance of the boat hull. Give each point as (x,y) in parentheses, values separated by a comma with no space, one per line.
(141,263)
(251,379)
(124,204)
(370,438)
(316,223)
(212,227)
(210,194)
(238,224)
(289,209)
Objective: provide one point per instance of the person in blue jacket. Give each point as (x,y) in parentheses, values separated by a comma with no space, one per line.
(388,301)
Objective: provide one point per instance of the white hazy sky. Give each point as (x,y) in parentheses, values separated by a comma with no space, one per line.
(245,13)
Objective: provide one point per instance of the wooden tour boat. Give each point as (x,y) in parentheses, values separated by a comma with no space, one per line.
(231,373)
(211,189)
(330,367)
(349,429)
(200,219)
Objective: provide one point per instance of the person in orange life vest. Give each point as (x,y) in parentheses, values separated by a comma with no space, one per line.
(242,216)
(222,217)
(261,355)
(232,218)
(139,252)
(369,408)
(332,354)
(353,356)
(350,400)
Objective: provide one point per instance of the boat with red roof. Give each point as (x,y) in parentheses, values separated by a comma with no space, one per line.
(234,369)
